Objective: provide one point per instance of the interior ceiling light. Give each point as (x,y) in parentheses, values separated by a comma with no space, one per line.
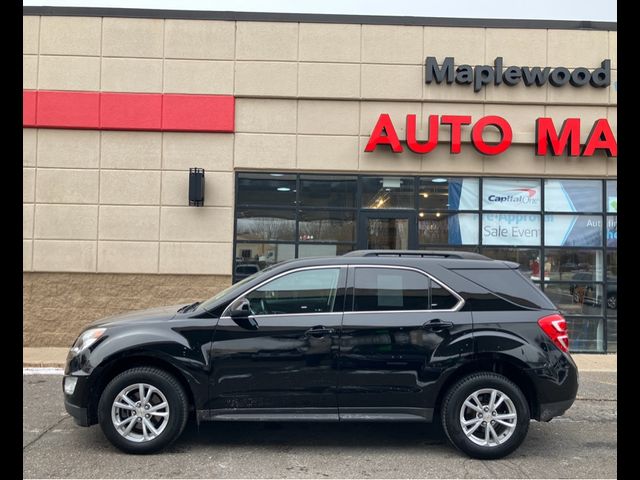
(437,214)
(284,189)
(439,180)
(425,195)
(421,214)
(277,174)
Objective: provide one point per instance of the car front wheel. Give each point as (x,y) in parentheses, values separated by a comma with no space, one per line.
(485,415)
(142,410)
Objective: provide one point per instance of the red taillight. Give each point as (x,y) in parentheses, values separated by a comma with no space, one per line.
(555,326)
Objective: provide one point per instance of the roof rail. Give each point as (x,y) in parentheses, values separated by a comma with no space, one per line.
(417,253)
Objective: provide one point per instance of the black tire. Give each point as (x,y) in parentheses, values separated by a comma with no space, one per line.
(170,388)
(453,403)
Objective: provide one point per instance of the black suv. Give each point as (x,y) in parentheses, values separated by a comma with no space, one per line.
(371,335)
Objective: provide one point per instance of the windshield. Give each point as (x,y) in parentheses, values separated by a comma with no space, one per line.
(207,304)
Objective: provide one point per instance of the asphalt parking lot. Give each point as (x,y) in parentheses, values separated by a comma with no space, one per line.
(582,444)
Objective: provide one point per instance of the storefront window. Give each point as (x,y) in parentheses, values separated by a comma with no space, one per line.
(612,266)
(612,231)
(573,195)
(578,297)
(310,250)
(612,196)
(565,244)
(447,228)
(527,258)
(252,257)
(571,264)
(442,194)
(329,226)
(573,230)
(511,194)
(586,334)
(328,191)
(388,192)
(267,189)
(265,224)
(510,229)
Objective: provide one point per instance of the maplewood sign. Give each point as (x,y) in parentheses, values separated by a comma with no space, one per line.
(548,140)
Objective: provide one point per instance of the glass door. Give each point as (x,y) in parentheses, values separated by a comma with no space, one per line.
(388,230)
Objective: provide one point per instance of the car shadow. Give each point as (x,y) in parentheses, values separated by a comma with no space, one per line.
(310,434)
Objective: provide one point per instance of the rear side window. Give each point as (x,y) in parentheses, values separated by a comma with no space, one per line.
(382,289)
(508,284)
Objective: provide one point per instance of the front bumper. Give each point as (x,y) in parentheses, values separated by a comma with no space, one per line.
(76,404)
(79,414)
(554,409)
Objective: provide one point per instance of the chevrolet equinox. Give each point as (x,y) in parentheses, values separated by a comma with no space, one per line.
(373,335)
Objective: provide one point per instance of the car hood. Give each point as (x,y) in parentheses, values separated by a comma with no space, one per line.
(150,314)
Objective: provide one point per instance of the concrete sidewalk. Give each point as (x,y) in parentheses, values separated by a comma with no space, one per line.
(55,357)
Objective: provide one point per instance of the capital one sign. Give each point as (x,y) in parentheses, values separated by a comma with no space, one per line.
(549,138)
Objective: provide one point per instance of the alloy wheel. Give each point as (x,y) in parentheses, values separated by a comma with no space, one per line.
(488,417)
(140,412)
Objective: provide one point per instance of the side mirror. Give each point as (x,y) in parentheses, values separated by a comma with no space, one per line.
(241,314)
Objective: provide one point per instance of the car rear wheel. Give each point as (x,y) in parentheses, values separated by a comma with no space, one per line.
(485,415)
(142,410)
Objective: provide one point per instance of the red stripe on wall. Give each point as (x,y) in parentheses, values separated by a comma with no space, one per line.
(128,111)
(68,109)
(29,108)
(198,113)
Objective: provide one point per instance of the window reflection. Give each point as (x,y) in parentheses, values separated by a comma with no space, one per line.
(332,226)
(253,257)
(335,191)
(448,228)
(439,193)
(563,264)
(388,192)
(577,298)
(527,258)
(265,224)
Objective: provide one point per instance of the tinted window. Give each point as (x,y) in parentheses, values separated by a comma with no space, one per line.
(390,289)
(509,284)
(266,189)
(328,191)
(441,298)
(307,291)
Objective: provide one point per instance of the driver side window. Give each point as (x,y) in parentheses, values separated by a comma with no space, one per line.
(306,291)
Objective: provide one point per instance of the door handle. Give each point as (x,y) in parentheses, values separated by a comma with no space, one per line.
(437,325)
(319,331)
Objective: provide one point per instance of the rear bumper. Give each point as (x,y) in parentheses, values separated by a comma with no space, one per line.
(79,414)
(554,409)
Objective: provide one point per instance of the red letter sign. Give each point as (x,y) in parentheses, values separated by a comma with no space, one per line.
(506,135)
(456,121)
(430,144)
(390,136)
(569,133)
(601,137)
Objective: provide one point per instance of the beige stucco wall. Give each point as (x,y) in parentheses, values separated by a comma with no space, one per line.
(308,96)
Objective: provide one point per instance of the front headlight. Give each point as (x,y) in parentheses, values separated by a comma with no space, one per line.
(86,339)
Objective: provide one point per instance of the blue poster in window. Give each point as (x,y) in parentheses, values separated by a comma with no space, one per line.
(612,232)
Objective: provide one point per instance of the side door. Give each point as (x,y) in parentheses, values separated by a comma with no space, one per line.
(281,357)
(402,332)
